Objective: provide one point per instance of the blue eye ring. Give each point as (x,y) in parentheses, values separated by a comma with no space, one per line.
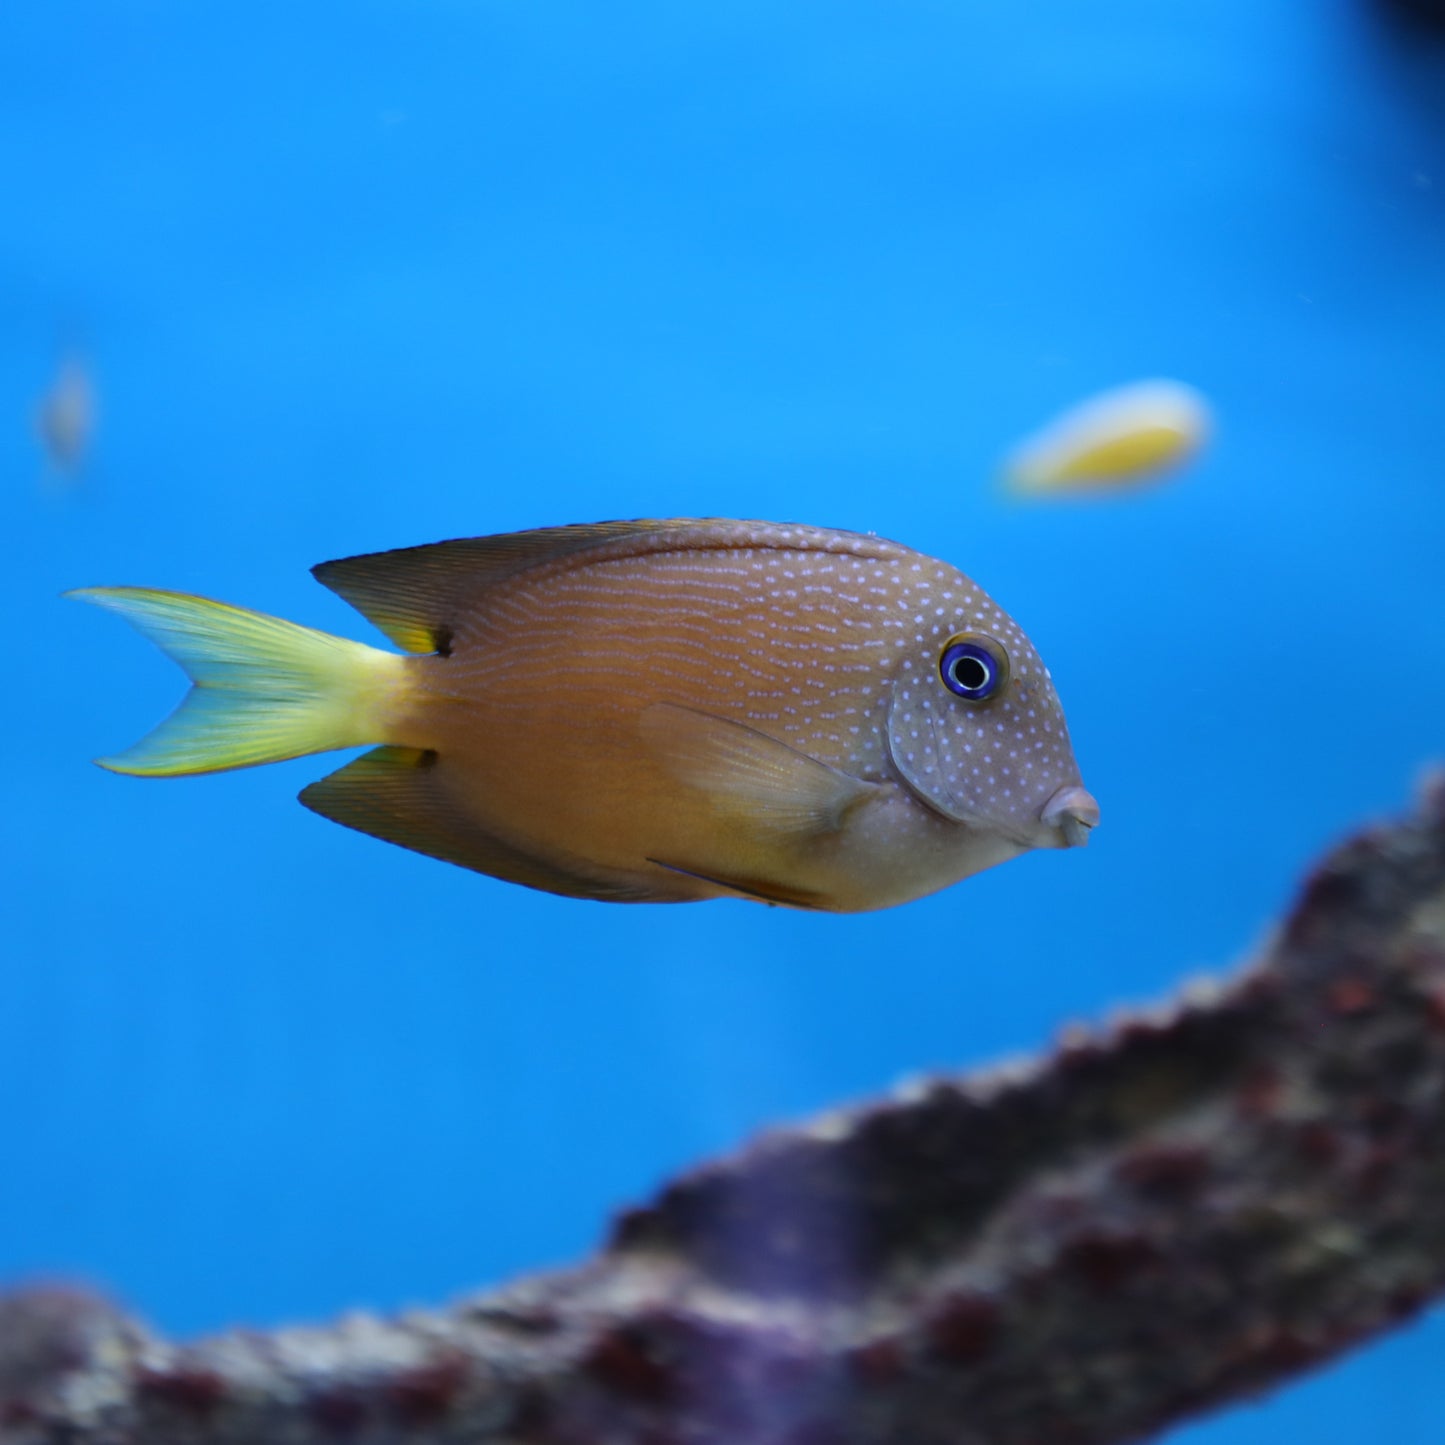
(974,666)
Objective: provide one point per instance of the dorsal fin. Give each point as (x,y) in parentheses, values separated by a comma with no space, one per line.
(415,594)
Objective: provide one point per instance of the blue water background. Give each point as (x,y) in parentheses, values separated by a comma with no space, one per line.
(365,275)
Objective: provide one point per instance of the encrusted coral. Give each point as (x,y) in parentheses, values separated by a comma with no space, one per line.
(1171,1212)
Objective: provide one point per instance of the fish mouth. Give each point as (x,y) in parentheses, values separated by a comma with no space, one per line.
(1074,813)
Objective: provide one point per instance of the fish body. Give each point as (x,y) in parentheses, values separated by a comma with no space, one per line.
(65,417)
(675,711)
(1116,441)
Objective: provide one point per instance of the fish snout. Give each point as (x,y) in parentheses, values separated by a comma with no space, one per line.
(1073,812)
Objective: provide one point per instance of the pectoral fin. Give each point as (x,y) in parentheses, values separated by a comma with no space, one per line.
(766,810)
(749,774)
(402,795)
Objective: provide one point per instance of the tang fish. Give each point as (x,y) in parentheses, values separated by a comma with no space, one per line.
(654,711)
(1117,440)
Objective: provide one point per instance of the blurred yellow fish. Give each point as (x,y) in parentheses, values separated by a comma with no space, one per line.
(1115,441)
(647,711)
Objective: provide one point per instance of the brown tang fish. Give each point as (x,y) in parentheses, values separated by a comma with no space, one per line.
(656,711)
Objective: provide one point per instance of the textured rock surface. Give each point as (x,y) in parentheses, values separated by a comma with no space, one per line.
(1176,1210)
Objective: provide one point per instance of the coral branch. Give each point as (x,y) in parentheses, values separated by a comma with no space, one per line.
(1162,1216)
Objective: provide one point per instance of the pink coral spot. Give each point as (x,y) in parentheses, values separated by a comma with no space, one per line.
(191,1388)
(879,1362)
(1348,996)
(426,1392)
(963,1327)
(623,1361)
(1165,1171)
(337,1412)
(1107,1261)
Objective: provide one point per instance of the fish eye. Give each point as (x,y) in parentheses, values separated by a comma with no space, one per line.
(973,666)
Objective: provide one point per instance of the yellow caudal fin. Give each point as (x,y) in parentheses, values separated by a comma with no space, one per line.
(263,689)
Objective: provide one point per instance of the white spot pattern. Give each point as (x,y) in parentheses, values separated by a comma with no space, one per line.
(740,624)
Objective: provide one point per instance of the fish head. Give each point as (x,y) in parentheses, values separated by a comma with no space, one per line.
(976,730)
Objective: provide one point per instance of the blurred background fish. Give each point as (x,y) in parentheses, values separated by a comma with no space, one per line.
(65,417)
(1116,441)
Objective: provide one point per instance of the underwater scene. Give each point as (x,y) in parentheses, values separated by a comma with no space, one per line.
(954,495)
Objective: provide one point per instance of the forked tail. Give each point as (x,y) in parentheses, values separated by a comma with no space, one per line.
(263,689)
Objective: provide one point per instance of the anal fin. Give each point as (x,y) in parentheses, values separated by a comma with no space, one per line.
(401,796)
(764,890)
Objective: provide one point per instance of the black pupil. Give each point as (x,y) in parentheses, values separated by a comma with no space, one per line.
(970,673)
